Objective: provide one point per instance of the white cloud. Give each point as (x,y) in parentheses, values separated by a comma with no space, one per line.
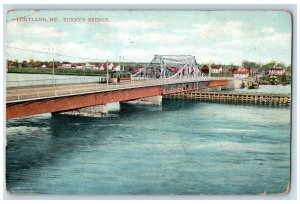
(284,38)
(134,24)
(70,49)
(268,30)
(150,37)
(214,29)
(213,41)
(35,31)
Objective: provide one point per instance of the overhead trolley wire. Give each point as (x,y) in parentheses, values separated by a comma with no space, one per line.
(56,54)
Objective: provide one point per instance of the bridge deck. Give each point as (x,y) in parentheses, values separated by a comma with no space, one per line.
(53,91)
(47,99)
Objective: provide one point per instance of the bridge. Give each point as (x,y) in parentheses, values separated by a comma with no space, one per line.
(93,97)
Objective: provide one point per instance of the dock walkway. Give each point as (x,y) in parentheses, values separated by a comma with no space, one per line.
(235,97)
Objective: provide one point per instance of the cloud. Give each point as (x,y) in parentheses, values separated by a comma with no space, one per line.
(77,51)
(150,37)
(268,30)
(216,41)
(213,29)
(35,31)
(134,24)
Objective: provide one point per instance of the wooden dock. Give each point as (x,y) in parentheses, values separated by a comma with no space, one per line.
(235,97)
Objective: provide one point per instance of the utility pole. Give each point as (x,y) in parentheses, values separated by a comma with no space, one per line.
(209,69)
(123,65)
(53,70)
(107,73)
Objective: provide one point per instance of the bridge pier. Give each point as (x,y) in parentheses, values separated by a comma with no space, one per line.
(233,84)
(90,111)
(153,100)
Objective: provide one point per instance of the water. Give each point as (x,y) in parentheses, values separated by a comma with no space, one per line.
(275,89)
(183,147)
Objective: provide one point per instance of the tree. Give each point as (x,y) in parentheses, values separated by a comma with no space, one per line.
(24,63)
(31,63)
(288,69)
(16,63)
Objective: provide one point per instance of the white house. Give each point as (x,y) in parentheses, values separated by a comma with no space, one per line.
(102,67)
(66,65)
(276,71)
(110,66)
(79,66)
(117,68)
(44,66)
(215,69)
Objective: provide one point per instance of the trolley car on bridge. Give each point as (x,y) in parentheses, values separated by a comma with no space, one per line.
(119,76)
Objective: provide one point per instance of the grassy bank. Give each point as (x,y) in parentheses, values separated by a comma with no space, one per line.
(77,72)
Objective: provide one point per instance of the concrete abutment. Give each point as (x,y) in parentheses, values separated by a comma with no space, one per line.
(90,111)
(153,100)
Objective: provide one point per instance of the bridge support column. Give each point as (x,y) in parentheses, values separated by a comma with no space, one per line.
(91,111)
(153,100)
(233,84)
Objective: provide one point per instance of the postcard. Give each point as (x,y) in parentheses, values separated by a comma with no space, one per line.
(148,102)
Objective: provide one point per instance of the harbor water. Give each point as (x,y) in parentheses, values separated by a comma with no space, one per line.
(182,147)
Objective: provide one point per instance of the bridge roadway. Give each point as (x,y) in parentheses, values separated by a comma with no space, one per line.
(23,101)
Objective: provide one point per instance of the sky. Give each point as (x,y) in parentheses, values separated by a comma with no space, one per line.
(223,37)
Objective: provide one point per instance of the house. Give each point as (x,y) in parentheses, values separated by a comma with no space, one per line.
(116,68)
(110,66)
(78,66)
(276,71)
(240,72)
(216,69)
(89,66)
(44,66)
(104,65)
(65,65)
(232,70)
(245,69)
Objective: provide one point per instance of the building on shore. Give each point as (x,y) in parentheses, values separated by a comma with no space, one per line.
(65,65)
(216,69)
(276,71)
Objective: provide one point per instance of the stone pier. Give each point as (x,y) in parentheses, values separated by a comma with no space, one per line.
(91,111)
(233,84)
(154,100)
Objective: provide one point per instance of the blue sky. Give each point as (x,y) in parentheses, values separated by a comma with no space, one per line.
(216,36)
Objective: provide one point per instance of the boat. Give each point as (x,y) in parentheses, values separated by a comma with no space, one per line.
(252,85)
(243,85)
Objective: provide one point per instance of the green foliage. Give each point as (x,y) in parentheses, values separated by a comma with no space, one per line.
(77,72)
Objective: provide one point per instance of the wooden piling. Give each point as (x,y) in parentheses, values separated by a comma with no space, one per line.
(235,97)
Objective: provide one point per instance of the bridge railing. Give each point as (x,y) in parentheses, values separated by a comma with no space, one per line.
(47,82)
(26,93)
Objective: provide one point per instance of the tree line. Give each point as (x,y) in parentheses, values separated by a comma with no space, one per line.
(259,67)
(31,63)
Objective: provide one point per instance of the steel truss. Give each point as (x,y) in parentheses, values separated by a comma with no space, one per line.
(170,66)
